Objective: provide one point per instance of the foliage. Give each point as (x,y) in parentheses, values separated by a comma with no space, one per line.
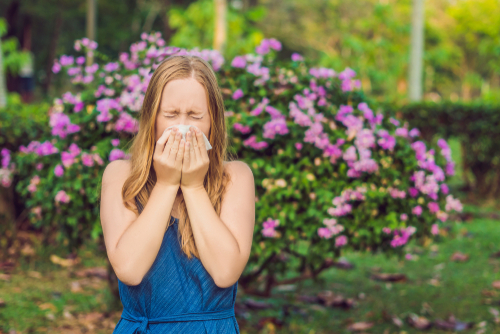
(330,173)
(22,123)
(475,124)
(373,38)
(195,26)
(13,58)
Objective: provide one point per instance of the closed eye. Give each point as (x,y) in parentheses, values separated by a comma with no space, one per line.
(191,116)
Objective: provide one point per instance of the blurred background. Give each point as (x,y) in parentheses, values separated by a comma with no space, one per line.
(434,64)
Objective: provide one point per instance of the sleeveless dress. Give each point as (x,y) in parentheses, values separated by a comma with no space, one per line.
(177,295)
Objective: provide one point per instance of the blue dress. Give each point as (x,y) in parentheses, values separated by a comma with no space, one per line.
(177,295)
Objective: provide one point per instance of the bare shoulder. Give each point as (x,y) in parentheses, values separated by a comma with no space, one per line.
(114,176)
(238,170)
(116,170)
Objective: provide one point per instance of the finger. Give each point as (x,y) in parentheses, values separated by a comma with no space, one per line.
(180,153)
(203,147)
(192,154)
(197,146)
(160,143)
(186,160)
(168,145)
(175,146)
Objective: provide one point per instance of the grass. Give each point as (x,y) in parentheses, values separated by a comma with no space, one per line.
(463,289)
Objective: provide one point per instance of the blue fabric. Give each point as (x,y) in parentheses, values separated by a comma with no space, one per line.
(177,295)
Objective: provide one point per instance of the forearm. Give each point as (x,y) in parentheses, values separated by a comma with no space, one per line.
(139,245)
(218,248)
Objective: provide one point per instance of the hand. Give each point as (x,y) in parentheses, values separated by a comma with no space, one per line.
(167,159)
(195,163)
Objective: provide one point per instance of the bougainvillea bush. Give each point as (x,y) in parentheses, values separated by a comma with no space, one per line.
(330,173)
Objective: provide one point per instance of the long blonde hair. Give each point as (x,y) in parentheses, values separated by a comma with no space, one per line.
(142,178)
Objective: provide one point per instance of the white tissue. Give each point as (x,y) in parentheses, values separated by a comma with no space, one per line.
(183,129)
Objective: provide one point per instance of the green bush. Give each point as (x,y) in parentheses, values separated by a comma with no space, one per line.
(476,125)
(330,173)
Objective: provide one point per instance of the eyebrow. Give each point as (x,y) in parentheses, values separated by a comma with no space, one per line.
(175,111)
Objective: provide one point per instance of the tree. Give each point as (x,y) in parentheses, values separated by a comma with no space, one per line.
(416,51)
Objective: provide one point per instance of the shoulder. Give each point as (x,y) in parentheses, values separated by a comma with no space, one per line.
(116,169)
(239,170)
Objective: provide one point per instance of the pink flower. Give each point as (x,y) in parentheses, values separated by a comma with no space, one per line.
(58,170)
(237,94)
(433,207)
(297,57)
(435,229)
(417,210)
(88,159)
(61,196)
(239,62)
(340,241)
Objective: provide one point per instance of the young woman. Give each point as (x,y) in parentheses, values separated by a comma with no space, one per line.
(177,218)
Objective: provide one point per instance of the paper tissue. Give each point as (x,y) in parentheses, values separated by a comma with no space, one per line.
(183,129)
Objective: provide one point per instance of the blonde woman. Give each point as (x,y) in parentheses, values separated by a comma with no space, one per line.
(178,219)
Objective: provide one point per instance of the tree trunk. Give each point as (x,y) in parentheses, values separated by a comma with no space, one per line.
(52,52)
(416,51)
(3,89)
(220,33)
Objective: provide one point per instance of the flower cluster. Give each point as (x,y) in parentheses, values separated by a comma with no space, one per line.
(332,229)
(269,228)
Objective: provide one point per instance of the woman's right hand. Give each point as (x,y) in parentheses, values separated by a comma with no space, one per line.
(167,158)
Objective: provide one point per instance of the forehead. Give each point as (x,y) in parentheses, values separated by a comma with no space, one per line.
(184,94)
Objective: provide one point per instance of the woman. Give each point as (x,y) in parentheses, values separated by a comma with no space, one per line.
(177,219)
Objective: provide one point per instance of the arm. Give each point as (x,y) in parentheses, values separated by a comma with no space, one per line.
(132,242)
(224,243)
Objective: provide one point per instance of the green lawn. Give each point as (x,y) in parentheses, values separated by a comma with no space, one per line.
(463,289)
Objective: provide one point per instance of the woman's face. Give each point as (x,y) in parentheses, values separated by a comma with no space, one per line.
(183,101)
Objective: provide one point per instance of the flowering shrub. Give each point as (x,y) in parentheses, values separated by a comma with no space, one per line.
(330,172)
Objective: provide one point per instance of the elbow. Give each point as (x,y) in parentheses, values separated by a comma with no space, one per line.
(226,281)
(129,280)
(126,276)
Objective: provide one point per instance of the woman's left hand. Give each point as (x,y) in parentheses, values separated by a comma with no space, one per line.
(195,162)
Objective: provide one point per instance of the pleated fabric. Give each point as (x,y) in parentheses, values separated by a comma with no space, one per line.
(177,295)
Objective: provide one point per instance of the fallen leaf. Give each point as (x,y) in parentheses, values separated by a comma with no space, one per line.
(343,264)
(7,266)
(489,293)
(388,277)
(360,326)
(418,322)
(452,324)
(496,254)
(47,306)
(5,277)
(257,305)
(266,321)
(434,281)
(308,299)
(76,287)
(34,274)
(27,250)
(457,256)
(100,272)
(328,298)
(64,262)
(397,321)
